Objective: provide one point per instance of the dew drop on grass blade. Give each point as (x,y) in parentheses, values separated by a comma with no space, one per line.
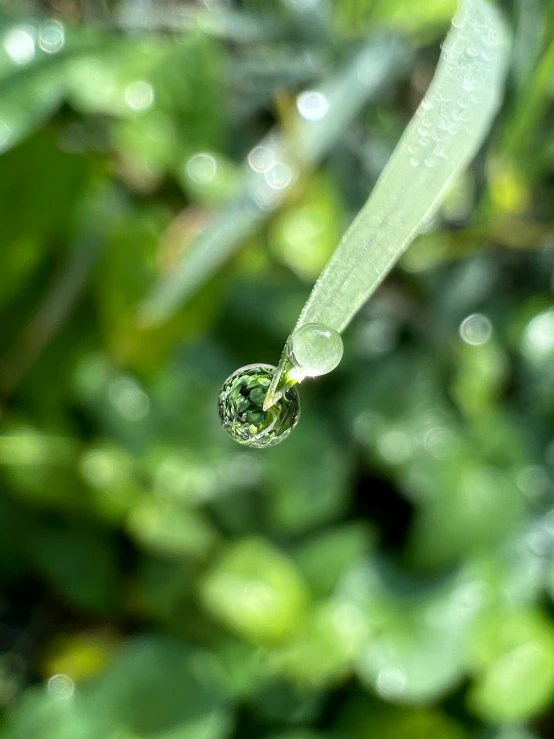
(439,142)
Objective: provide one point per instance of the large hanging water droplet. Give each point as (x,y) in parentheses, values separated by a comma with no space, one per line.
(241,411)
(315,349)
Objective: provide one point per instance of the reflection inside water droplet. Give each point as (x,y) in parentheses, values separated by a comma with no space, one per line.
(241,411)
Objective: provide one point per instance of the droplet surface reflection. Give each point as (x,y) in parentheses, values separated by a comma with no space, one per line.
(241,411)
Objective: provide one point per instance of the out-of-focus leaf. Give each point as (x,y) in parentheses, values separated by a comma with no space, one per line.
(81,564)
(365,719)
(306,479)
(170,529)
(82,656)
(37,206)
(158,687)
(41,468)
(326,555)
(324,651)
(304,235)
(256,591)
(416,16)
(513,657)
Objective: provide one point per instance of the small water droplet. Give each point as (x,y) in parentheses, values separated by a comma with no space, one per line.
(61,687)
(139,95)
(476,329)
(202,168)
(312,105)
(315,349)
(261,158)
(51,37)
(414,162)
(279,176)
(19,44)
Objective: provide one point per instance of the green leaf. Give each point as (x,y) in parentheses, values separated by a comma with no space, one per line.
(256,591)
(514,660)
(81,564)
(159,688)
(325,556)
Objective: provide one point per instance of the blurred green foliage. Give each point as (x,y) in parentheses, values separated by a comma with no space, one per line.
(386,573)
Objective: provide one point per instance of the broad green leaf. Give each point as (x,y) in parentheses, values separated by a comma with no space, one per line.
(513,658)
(256,591)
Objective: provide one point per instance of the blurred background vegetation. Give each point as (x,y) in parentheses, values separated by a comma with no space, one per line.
(386,573)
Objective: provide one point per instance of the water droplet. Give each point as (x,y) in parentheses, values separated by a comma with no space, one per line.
(241,411)
(538,337)
(279,176)
(312,105)
(19,44)
(139,95)
(414,162)
(202,168)
(391,682)
(51,37)
(315,349)
(429,162)
(61,687)
(476,329)
(261,159)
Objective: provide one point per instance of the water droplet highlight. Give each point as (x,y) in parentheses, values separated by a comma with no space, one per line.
(19,44)
(312,105)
